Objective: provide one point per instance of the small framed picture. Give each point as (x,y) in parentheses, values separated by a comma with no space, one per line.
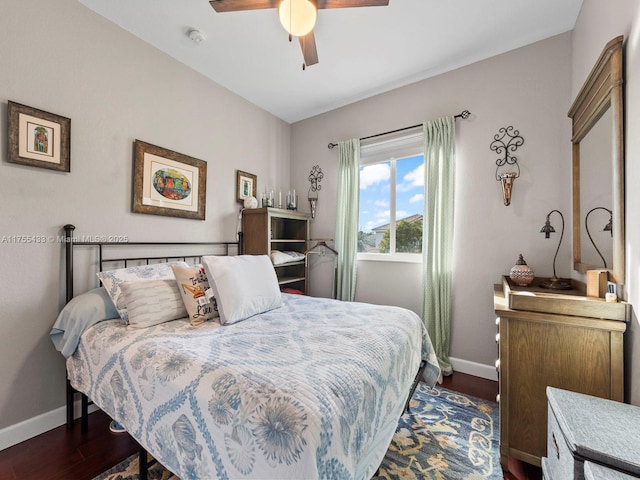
(38,138)
(246,185)
(168,183)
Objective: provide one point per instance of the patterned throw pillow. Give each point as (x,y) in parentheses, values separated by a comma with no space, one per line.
(152,302)
(192,283)
(112,279)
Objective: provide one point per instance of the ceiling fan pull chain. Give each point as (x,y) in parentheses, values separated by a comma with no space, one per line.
(290,37)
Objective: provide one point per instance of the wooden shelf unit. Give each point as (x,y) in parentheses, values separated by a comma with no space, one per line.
(265,229)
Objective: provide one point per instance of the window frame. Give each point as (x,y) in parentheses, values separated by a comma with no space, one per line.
(392,150)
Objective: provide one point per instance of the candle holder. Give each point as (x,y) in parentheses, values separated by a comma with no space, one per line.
(506,141)
(292,200)
(315,176)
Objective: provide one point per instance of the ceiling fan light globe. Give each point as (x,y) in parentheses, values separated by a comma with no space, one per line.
(298,17)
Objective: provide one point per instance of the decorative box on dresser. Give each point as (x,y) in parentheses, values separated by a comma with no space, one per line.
(266,229)
(590,438)
(548,339)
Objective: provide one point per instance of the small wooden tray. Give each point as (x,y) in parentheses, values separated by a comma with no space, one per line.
(562,302)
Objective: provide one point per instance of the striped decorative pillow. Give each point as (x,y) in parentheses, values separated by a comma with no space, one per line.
(152,302)
(112,279)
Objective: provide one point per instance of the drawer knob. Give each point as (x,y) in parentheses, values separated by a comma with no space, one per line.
(555,445)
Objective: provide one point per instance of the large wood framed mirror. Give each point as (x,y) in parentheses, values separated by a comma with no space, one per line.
(598,167)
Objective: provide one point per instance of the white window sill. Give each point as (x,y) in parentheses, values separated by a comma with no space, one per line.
(386,257)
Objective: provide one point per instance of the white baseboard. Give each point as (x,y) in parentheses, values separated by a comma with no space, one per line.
(14,434)
(473,368)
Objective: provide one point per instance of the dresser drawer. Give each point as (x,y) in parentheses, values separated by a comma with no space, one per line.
(545,469)
(593,471)
(560,462)
(586,429)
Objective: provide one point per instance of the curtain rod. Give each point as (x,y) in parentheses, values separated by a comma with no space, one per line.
(464,115)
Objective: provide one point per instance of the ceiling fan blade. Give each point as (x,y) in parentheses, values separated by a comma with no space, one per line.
(351,3)
(222,6)
(308,46)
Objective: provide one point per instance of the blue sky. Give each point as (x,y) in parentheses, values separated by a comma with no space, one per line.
(375,191)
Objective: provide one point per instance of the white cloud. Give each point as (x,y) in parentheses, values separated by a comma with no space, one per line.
(381,203)
(372,174)
(400,214)
(370,225)
(384,215)
(418,197)
(415,178)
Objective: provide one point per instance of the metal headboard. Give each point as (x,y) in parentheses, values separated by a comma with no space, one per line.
(105,253)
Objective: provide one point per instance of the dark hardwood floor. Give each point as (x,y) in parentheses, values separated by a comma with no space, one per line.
(62,454)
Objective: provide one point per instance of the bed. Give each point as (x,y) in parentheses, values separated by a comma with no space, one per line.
(312,388)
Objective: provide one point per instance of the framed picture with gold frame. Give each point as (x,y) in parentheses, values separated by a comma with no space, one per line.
(246,185)
(38,138)
(168,183)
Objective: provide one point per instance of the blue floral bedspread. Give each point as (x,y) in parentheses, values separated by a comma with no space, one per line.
(313,389)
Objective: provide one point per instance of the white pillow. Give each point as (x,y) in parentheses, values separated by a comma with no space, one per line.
(112,279)
(152,302)
(279,258)
(244,285)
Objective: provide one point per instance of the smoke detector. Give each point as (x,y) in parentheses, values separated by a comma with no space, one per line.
(196,36)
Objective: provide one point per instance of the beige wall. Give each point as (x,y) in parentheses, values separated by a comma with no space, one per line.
(63,58)
(598,23)
(528,88)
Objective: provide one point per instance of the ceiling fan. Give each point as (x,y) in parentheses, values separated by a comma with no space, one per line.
(298,17)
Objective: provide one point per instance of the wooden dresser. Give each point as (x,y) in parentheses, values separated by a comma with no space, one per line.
(566,348)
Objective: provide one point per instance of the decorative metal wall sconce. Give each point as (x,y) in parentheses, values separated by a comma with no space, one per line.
(554,282)
(507,140)
(607,228)
(315,176)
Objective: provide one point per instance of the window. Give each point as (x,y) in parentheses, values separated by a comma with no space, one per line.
(391,203)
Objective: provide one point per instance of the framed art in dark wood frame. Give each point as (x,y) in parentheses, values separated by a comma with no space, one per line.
(246,185)
(168,183)
(38,138)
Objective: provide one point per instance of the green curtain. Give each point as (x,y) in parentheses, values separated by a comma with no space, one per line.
(346,240)
(437,234)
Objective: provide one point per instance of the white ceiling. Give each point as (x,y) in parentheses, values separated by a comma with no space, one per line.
(362,51)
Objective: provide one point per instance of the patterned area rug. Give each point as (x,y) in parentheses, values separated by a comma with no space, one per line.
(447,435)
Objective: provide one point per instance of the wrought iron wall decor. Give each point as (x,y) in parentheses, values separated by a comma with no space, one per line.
(315,176)
(505,142)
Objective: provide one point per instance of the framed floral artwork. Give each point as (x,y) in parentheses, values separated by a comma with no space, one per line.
(168,183)
(38,138)
(246,185)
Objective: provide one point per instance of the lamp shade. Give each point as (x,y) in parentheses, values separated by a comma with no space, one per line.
(298,17)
